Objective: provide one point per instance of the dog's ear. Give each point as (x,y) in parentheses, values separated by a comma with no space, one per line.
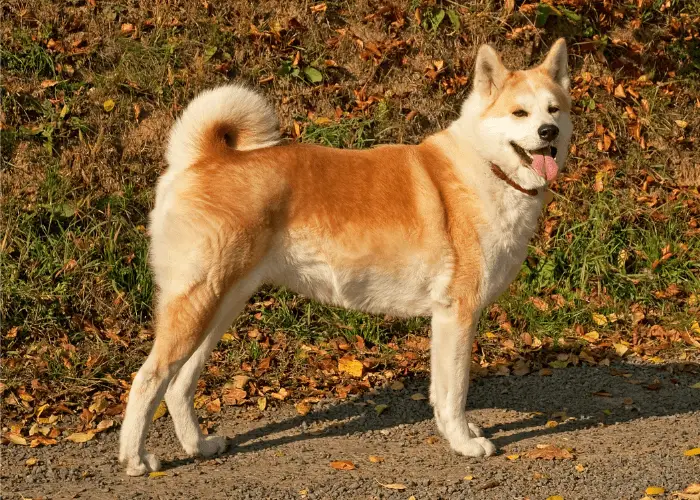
(490,72)
(555,64)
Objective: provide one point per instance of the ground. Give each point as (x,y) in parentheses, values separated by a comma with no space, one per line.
(89,90)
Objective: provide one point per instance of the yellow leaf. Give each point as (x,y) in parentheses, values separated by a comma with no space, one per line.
(395,486)
(343,465)
(31,461)
(692,488)
(598,186)
(468,478)
(620,349)
(227,337)
(81,437)
(351,366)
(397,385)
(302,408)
(418,397)
(104,425)
(555,497)
(15,438)
(696,385)
(157,474)
(599,319)
(160,411)
(380,409)
(551,424)
(513,457)
(695,327)
(262,403)
(682,123)
(108,105)
(375,459)
(592,336)
(580,467)
(692,452)
(303,492)
(656,360)
(655,490)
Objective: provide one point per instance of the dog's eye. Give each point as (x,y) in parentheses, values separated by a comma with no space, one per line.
(520,113)
(553,109)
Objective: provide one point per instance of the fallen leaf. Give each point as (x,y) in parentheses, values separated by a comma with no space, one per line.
(468,478)
(431,440)
(343,465)
(599,319)
(262,403)
(549,452)
(351,366)
(420,397)
(15,438)
(696,385)
(580,467)
(682,123)
(551,424)
(214,406)
(395,486)
(160,411)
(375,459)
(555,497)
(592,336)
(108,105)
(104,425)
(302,408)
(397,385)
(156,474)
(692,452)
(380,409)
(620,349)
(515,456)
(81,437)
(655,490)
(545,372)
(31,461)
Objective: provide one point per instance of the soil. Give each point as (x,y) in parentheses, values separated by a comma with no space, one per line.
(627,437)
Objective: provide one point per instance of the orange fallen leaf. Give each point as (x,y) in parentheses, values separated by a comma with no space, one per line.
(692,452)
(375,459)
(549,452)
(655,490)
(512,457)
(15,438)
(31,461)
(343,465)
(302,408)
(351,366)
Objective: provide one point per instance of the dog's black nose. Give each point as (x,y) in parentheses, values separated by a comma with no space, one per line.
(548,132)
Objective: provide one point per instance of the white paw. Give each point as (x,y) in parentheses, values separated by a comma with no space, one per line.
(138,466)
(208,446)
(474,447)
(212,445)
(476,431)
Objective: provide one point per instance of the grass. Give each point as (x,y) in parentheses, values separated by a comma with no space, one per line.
(78,175)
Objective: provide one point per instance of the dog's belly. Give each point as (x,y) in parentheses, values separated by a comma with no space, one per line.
(404,285)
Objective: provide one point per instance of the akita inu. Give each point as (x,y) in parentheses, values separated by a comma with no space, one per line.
(439,229)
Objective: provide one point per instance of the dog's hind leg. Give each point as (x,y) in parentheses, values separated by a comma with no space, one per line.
(181,321)
(180,394)
(453,334)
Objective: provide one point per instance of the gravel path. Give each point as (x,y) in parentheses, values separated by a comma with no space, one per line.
(624,440)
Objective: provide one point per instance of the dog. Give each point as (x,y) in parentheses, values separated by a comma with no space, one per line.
(437,229)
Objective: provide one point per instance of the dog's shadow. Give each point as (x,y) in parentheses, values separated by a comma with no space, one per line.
(591,395)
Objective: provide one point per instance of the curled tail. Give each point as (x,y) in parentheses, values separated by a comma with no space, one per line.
(230,116)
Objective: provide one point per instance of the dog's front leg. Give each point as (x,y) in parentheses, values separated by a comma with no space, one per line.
(453,330)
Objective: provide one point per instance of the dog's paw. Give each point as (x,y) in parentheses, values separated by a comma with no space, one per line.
(476,430)
(212,445)
(474,447)
(138,466)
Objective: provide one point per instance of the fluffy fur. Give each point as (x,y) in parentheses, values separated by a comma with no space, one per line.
(406,230)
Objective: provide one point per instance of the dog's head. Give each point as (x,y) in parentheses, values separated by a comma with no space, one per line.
(521,118)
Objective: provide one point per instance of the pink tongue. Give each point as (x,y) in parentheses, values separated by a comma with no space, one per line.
(545,166)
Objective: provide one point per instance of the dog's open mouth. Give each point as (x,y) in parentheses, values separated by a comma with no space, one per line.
(542,161)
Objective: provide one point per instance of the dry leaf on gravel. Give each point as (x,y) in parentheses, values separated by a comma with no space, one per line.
(418,397)
(692,492)
(555,497)
(156,474)
(104,425)
(549,452)
(380,409)
(512,457)
(15,438)
(394,486)
(81,437)
(262,403)
(342,465)
(376,459)
(655,490)
(31,461)
(302,408)
(397,385)
(580,467)
(160,411)
(692,452)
